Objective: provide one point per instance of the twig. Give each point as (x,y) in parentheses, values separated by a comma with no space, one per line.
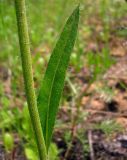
(91,145)
(107,112)
(75,118)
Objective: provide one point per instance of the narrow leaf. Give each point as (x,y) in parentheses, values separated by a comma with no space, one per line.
(53,81)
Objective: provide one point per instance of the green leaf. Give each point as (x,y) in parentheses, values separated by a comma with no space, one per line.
(30,154)
(53,81)
(53,152)
(8,141)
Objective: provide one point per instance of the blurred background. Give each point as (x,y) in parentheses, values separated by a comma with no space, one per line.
(91,122)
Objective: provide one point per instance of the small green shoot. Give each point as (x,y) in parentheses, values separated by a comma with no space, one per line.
(43,110)
(109,127)
(8,141)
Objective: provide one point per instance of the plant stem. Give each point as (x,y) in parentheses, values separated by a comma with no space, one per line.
(28,76)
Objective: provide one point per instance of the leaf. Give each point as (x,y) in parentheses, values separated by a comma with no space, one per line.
(53,152)
(8,141)
(30,153)
(53,81)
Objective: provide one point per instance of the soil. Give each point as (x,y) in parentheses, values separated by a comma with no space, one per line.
(16,154)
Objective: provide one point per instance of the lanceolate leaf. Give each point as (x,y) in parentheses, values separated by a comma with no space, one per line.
(53,82)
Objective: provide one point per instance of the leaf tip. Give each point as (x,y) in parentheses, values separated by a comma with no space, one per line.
(77,9)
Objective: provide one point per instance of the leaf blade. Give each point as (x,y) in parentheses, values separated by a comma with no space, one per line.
(53,81)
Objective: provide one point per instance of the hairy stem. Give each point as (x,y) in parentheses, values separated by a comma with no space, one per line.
(28,76)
